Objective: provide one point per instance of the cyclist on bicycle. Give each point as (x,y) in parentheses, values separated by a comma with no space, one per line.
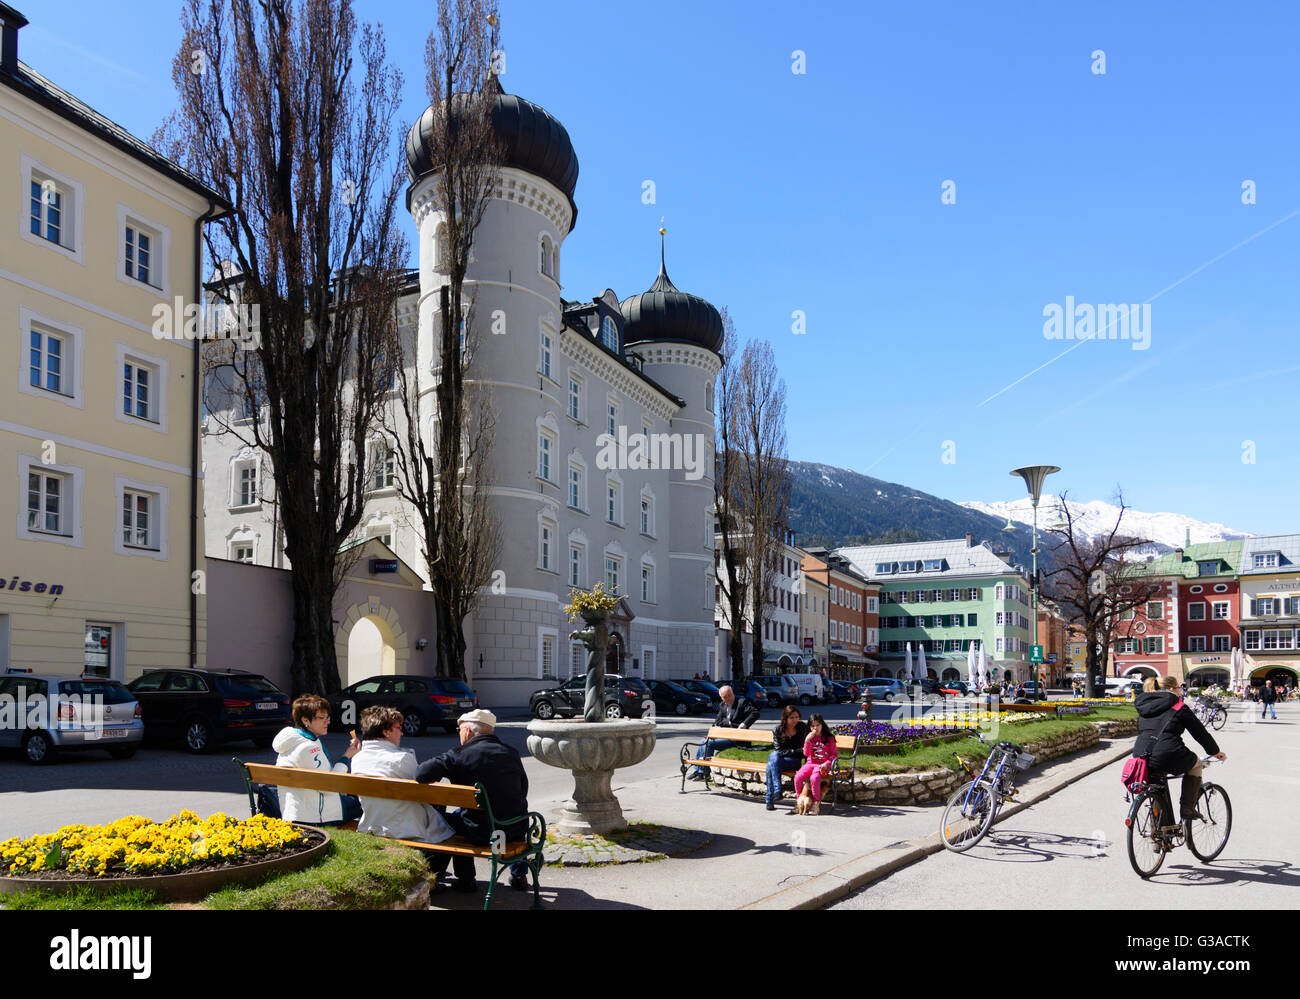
(1169,755)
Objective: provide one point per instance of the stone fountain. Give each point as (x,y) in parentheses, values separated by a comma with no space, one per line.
(592,747)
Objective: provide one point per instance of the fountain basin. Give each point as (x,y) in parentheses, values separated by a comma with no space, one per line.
(591,751)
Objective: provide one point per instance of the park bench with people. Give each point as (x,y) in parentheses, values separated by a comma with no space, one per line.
(840,773)
(500,852)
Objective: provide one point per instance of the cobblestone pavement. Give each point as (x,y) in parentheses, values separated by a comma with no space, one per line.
(636,844)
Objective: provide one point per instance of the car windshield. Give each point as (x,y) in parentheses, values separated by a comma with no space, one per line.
(247,683)
(674,687)
(110,691)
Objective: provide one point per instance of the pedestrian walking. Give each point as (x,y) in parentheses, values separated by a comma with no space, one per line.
(1267,698)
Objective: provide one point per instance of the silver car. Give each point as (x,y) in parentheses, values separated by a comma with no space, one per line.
(883,688)
(44,714)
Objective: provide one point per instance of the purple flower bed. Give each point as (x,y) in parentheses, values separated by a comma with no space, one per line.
(1081,710)
(883,734)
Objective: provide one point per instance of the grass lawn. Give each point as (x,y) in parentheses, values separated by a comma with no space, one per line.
(930,757)
(359,872)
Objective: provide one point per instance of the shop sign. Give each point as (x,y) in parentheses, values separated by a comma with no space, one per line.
(26,585)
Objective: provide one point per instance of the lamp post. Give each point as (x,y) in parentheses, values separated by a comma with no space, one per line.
(1034,476)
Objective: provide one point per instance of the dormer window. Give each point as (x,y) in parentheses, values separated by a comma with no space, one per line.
(609,333)
(933,565)
(1266,560)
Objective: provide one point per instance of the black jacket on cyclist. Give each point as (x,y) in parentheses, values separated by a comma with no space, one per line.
(1169,755)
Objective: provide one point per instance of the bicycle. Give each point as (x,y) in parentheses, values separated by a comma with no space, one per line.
(1213,714)
(974,807)
(1151,836)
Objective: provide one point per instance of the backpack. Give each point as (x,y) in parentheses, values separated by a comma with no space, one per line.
(1135,770)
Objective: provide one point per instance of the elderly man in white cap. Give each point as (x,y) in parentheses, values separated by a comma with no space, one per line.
(481,758)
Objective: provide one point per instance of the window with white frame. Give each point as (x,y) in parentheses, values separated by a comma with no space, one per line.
(1155,610)
(611,416)
(1126,646)
(244,484)
(143,257)
(577,485)
(545,258)
(53,209)
(49,501)
(1196,611)
(647,515)
(47,506)
(381,532)
(577,564)
(647,582)
(1153,645)
(142,518)
(1000,644)
(613,500)
(1219,610)
(545,446)
(546,545)
(139,387)
(48,360)
(648,662)
(383,467)
(241,551)
(609,333)
(1251,641)
(544,357)
(575,397)
(1222,643)
(1266,561)
(548,640)
(613,573)
(1196,643)
(577,659)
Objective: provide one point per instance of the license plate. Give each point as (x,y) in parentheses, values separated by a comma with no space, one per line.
(466,704)
(266,705)
(114,733)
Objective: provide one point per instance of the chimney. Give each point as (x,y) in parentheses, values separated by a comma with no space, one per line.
(970,539)
(10,22)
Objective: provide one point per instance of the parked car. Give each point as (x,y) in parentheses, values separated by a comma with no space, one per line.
(757,693)
(955,688)
(844,692)
(709,690)
(624,696)
(928,686)
(778,690)
(205,707)
(812,688)
(1034,690)
(52,714)
(425,701)
(883,688)
(673,698)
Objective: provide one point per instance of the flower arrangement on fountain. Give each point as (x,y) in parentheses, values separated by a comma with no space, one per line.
(593,606)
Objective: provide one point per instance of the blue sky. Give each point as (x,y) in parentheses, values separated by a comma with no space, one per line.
(821,192)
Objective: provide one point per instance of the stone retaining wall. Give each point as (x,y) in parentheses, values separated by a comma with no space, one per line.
(928,786)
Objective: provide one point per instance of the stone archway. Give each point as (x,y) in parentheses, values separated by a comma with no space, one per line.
(1142,671)
(380,641)
(1278,674)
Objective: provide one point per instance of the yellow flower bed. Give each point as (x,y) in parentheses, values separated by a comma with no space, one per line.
(137,845)
(969,719)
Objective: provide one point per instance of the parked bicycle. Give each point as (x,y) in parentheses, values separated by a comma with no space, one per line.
(1154,828)
(1212,713)
(974,807)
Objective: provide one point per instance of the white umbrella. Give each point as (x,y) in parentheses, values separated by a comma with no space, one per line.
(970,662)
(920,665)
(907,661)
(983,667)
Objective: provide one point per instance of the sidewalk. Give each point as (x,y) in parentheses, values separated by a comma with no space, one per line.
(762,859)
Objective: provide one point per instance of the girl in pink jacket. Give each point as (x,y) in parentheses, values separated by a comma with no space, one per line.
(820,751)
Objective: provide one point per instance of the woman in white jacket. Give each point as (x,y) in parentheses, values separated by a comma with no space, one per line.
(382,756)
(300,746)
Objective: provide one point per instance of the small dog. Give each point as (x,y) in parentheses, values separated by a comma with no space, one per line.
(804,804)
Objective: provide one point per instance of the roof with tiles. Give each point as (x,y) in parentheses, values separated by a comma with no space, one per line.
(957,560)
(1286,547)
(1187,562)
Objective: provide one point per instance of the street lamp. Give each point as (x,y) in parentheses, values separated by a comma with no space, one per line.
(1034,476)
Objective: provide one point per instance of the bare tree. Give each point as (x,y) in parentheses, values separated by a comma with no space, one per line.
(729,556)
(1095,581)
(274,116)
(763,480)
(444,474)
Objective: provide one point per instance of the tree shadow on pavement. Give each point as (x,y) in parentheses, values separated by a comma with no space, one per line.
(1233,871)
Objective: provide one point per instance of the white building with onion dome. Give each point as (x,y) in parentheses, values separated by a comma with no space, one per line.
(603,458)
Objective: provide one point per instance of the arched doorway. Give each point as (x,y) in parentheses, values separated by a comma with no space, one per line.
(1207,676)
(1142,671)
(951,674)
(1278,674)
(931,673)
(371,649)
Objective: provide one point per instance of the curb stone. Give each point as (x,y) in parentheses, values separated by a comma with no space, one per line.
(829,886)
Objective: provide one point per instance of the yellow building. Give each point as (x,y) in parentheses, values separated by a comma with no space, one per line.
(98,417)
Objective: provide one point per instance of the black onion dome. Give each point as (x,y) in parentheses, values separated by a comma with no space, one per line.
(665,313)
(533,139)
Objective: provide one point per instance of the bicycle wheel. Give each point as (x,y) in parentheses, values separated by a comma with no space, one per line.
(1146,850)
(1218,719)
(1208,835)
(966,821)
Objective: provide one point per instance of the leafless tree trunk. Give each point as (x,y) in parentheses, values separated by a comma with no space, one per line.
(1088,580)
(448,479)
(275,117)
(729,556)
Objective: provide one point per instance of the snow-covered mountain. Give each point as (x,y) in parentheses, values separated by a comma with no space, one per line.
(1167,530)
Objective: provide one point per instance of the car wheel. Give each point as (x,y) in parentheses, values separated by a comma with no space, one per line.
(38,747)
(544,710)
(122,752)
(805,700)
(198,735)
(412,723)
(773,702)
(613,710)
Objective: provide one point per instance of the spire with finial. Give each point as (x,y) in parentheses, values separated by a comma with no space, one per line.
(663,282)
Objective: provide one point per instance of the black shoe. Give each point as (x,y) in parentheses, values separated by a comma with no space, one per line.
(771,807)
(695,776)
(460,885)
(519,883)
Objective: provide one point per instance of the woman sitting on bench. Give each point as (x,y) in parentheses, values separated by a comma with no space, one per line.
(382,756)
(300,746)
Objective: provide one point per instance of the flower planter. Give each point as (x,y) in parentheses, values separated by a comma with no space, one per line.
(187,886)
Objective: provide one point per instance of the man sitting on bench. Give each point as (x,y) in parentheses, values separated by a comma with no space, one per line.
(481,758)
(382,756)
(733,712)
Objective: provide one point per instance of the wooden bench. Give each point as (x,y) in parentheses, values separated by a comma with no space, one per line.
(762,737)
(499,851)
